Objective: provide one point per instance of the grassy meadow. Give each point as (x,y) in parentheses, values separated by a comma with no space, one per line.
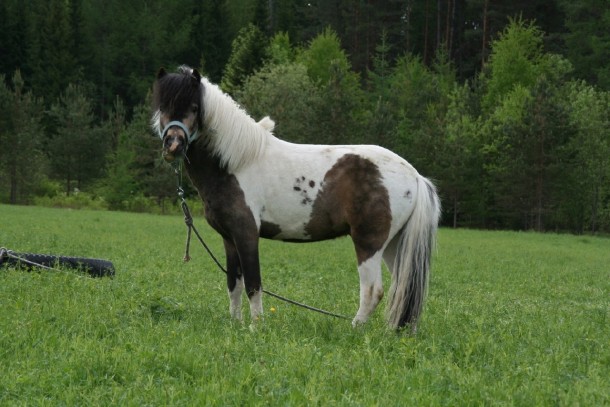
(511,319)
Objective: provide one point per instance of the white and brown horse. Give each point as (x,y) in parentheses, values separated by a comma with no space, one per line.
(255,185)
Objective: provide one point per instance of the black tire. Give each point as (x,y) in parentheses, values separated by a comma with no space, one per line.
(93,267)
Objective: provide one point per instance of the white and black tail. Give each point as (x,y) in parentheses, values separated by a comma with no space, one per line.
(413,254)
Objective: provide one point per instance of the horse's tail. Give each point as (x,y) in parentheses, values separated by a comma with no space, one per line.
(412,263)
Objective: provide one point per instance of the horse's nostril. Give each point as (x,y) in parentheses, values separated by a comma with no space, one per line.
(172,145)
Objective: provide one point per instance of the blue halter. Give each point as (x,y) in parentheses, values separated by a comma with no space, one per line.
(190,137)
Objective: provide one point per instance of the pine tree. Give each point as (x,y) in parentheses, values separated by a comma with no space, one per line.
(588,39)
(57,65)
(342,108)
(78,150)
(286,94)
(247,56)
(384,114)
(22,165)
(586,154)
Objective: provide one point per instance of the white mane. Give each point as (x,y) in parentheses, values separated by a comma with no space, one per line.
(234,136)
(155,122)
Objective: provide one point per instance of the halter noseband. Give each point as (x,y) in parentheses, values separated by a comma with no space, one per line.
(190,137)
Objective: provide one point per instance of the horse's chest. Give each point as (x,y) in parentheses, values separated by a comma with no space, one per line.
(225,206)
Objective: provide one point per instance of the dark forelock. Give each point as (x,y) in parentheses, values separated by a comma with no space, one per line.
(174,93)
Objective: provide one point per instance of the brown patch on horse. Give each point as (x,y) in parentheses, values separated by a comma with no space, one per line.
(354,201)
(227,212)
(269,230)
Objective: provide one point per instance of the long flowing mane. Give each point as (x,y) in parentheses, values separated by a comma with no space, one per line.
(235,137)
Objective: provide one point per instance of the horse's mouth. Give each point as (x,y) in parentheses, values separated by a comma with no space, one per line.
(168,157)
(172,149)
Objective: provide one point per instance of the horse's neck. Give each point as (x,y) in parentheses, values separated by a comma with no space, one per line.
(204,169)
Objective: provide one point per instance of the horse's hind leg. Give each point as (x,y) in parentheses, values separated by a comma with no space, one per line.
(235,280)
(371,287)
(389,254)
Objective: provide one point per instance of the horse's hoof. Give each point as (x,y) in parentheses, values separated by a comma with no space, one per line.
(357,322)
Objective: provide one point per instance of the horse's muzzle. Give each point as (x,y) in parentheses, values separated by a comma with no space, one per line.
(173,147)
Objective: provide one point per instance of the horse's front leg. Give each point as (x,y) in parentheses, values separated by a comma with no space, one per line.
(250,267)
(235,280)
(243,271)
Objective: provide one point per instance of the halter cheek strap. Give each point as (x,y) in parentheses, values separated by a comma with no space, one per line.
(190,137)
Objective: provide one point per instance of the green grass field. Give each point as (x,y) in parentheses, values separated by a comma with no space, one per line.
(511,319)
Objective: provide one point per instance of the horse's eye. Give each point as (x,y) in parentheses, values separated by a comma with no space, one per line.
(194,108)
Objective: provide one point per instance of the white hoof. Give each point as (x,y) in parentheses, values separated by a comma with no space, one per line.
(358,321)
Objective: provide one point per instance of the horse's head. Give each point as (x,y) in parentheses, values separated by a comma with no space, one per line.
(178,116)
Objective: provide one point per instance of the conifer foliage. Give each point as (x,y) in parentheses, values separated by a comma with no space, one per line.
(504,104)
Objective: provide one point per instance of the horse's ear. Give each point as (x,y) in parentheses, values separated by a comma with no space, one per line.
(161,73)
(197,75)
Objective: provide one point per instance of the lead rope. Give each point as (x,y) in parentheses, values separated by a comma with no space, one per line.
(188,220)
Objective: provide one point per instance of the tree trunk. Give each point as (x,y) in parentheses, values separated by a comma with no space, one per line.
(438,24)
(271,18)
(451,29)
(455,209)
(68,182)
(14,184)
(484,46)
(540,171)
(426,32)
(448,25)
(408,26)
(594,207)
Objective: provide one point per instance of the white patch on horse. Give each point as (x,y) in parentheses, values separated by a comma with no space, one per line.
(256,306)
(235,298)
(292,178)
(371,288)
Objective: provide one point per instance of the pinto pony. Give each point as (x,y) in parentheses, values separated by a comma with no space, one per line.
(254,185)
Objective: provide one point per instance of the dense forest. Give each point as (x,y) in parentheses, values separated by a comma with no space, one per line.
(505,104)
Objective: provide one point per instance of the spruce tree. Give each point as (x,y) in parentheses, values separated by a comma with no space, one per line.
(247,55)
